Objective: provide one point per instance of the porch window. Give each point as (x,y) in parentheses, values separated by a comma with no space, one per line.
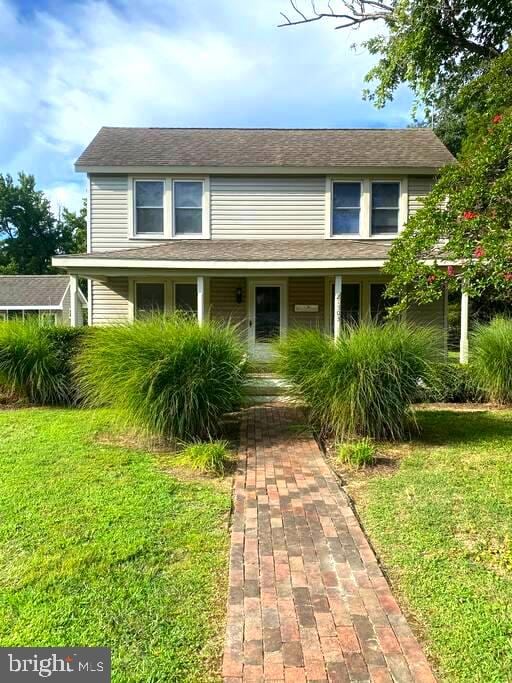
(149,207)
(346,208)
(385,207)
(379,304)
(185,298)
(188,207)
(149,298)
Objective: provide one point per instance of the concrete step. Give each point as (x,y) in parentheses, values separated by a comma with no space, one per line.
(265,384)
(259,400)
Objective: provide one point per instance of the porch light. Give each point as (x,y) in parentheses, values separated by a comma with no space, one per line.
(239,297)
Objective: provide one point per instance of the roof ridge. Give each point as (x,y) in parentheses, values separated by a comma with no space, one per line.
(269,128)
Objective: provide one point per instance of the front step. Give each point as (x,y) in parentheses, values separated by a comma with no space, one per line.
(265,387)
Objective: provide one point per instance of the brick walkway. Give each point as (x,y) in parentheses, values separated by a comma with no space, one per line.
(307,599)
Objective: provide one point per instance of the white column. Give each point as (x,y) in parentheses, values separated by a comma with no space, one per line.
(464,328)
(74,302)
(200,299)
(337,306)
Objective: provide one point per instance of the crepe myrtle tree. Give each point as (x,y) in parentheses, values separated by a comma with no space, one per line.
(466,220)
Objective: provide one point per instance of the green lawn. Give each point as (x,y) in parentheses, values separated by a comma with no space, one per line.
(100,546)
(442,525)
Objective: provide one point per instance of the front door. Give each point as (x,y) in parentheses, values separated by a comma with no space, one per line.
(265,317)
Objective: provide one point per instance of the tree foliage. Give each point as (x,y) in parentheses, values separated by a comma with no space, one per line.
(29,232)
(467,218)
(433,46)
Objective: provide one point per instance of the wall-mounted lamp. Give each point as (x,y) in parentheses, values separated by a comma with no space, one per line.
(239,297)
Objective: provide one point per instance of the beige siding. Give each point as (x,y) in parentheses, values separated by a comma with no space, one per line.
(419,188)
(110,301)
(109,215)
(223,305)
(251,208)
(428,314)
(306,290)
(267,208)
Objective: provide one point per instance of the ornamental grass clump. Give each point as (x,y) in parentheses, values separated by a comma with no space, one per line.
(207,457)
(363,383)
(491,359)
(358,454)
(166,376)
(36,361)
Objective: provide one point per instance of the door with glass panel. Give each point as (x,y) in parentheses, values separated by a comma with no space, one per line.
(265,317)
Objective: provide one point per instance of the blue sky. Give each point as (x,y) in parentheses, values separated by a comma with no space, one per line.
(67,67)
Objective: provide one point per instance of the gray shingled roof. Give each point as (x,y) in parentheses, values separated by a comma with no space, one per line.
(239,147)
(253,250)
(32,290)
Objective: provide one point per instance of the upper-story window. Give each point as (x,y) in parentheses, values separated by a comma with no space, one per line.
(149,207)
(188,207)
(346,208)
(385,208)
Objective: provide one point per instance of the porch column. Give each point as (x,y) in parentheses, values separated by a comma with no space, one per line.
(200,299)
(75,310)
(337,306)
(464,328)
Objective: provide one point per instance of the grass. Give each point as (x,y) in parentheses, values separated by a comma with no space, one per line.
(364,382)
(168,376)
(356,453)
(210,457)
(491,359)
(35,361)
(100,546)
(442,524)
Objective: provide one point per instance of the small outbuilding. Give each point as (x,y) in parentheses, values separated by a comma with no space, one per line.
(43,296)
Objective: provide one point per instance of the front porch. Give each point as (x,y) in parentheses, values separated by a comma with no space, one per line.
(264,305)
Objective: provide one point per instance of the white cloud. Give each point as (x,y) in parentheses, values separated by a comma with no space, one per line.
(65,74)
(69,196)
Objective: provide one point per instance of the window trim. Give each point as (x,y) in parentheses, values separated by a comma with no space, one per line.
(205,206)
(344,181)
(148,235)
(365,217)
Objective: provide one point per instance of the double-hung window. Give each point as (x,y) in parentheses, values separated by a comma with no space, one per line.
(149,207)
(346,208)
(385,207)
(188,208)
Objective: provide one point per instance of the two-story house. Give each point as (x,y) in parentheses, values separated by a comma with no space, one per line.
(268,228)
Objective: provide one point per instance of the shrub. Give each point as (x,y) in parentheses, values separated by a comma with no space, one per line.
(167,376)
(210,457)
(491,359)
(36,361)
(357,453)
(364,382)
(451,383)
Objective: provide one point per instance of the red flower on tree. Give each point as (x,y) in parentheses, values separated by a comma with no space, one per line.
(498,118)
(479,252)
(431,279)
(451,271)
(508,277)
(469,215)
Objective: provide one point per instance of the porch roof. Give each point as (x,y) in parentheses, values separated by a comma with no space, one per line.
(239,253)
